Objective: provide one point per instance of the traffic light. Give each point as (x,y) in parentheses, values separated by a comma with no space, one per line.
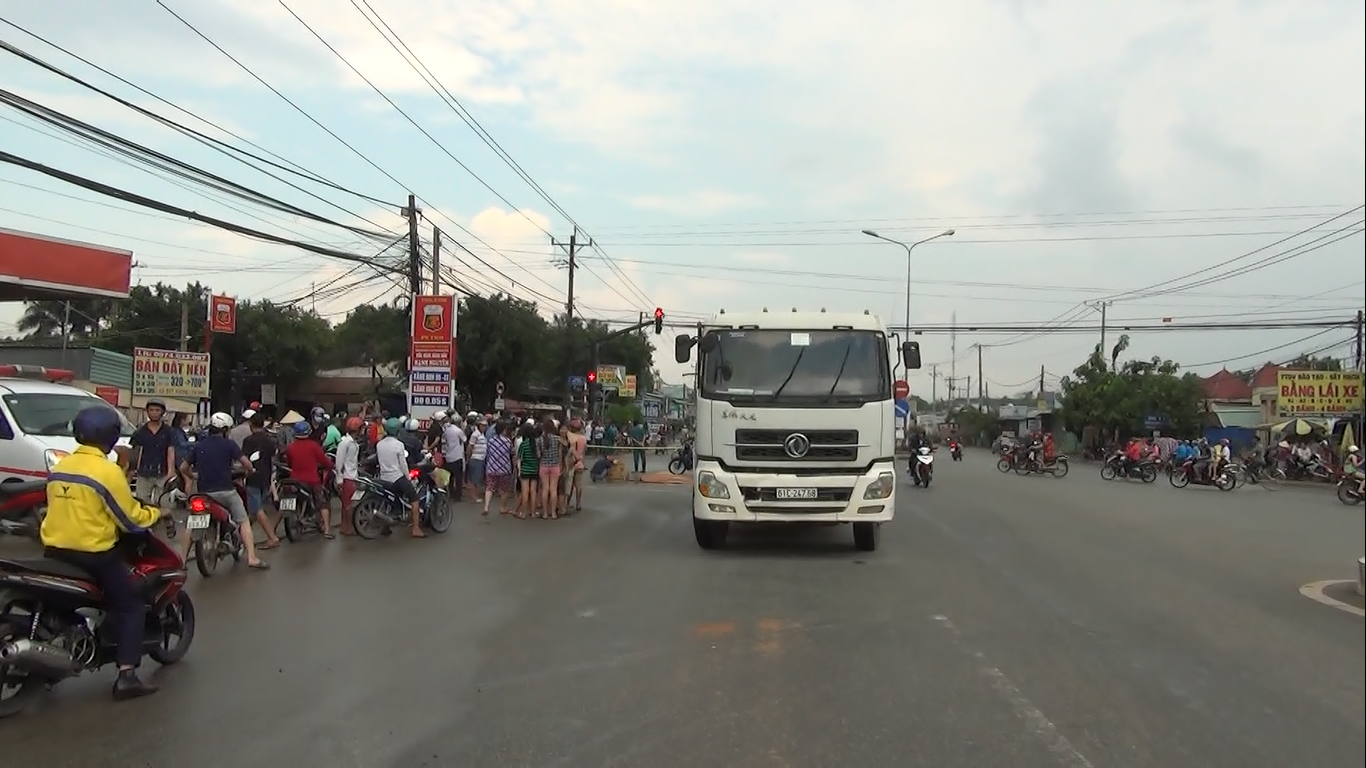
(592,376)
(659,321)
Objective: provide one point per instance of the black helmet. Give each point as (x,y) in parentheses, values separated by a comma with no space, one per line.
(97,426)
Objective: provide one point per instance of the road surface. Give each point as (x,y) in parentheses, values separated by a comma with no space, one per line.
(1006,621)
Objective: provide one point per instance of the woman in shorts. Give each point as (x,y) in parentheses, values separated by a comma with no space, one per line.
(549,454)
(498,468)
(528,466)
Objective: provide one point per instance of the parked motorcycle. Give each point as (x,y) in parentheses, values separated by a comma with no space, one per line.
(682,459)
(1347,491)
(1187,474)
(377,508)
(1117,466)
(22,508)
(922,470)
(52,624)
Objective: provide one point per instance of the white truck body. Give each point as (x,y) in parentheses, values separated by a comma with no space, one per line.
(795,422)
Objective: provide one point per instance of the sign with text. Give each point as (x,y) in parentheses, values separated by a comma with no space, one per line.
(222,314)
(433,318)
(168,373)
(1319,393)
(108,394)
(429,379)
(628,386)
(611,376)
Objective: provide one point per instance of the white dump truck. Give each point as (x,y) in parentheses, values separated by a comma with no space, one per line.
(795,421)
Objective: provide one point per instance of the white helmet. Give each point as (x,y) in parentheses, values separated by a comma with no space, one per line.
(439,416)
(412,425)
(529,421)
(472,415)
(220,420)
(247,414)
(1352,449)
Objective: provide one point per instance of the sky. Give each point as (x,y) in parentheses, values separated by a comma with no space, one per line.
(1199,161)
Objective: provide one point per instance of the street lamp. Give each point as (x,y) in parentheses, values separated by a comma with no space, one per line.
(909,247)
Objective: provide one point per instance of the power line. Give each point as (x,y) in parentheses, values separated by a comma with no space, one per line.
(1261,352)
(1163,327)
(954,242)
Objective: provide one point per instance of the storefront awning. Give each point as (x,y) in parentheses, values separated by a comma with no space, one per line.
(36,267)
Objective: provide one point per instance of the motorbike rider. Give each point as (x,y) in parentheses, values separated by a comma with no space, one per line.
(1050,450)
(393,472)
(1035,448)
(210,466)
(1352,466)
(411,438)
(1133,454)
(88,504)
(914,441)
(307,463)
(1220,453)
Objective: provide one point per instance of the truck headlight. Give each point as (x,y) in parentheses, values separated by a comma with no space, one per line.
(51,456)
(710,487)
(880,488)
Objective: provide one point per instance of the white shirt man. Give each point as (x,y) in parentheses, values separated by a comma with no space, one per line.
(348,458)
(453,446)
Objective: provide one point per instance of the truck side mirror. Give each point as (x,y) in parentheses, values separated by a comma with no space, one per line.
(682,348)
(910,355)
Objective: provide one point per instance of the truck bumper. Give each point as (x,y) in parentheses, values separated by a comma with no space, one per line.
(750,497)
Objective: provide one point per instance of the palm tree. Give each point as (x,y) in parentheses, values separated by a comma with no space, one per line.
(51,318)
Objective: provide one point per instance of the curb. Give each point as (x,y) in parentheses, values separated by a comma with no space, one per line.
(1361,576)
(1317,591)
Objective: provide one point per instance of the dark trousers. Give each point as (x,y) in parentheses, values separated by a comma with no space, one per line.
(124,609)
(638,460)
(457,484)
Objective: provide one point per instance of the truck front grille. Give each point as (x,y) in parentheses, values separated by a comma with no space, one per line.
(768,444)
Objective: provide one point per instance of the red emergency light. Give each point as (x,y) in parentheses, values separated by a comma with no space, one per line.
(54,375)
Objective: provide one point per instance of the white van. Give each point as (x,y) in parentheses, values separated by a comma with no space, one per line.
(35,425)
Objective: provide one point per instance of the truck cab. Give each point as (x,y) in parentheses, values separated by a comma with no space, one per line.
(795,422)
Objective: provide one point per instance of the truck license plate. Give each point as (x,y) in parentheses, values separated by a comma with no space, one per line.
(788,494)
(197,522)
(287,504)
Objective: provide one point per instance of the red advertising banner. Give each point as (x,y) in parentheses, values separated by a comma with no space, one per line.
(108,394)
(433,319)
(222,314)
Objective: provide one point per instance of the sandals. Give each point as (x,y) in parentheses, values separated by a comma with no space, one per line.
(259,565)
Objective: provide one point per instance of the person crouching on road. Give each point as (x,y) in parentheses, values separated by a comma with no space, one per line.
(393,472)
(209,469)
(348,471)
(88,503)
(308,462)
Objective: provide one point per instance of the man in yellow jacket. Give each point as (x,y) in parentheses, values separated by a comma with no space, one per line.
(88,505)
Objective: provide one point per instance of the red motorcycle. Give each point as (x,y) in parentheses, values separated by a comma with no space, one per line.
(22,505)
(212,532)
(1189,474)
(52,621)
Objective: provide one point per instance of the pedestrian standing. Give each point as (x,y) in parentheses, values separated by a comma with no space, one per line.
(453,447)
(498,468)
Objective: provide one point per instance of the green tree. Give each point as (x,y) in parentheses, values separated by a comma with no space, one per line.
(83,318)
(372,335)
(502,338)
(1118,399)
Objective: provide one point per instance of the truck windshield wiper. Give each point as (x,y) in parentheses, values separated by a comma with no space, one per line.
(848,347)
(790,373)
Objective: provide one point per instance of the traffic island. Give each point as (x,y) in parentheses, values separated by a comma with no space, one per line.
(1343,594)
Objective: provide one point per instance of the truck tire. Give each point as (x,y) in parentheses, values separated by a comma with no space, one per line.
(867,536)
(710,534)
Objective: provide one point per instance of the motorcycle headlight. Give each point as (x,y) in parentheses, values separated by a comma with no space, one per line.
(710,487)
(880,488)
(51,456)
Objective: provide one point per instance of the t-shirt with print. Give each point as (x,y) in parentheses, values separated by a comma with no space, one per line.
(548,449)
(479,445)
(498,461)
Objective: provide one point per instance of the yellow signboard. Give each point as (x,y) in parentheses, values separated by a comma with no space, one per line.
(610,376)
(628,387)
(1319,393)
(168,373)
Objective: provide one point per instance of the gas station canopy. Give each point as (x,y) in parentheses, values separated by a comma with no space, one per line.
(36,267)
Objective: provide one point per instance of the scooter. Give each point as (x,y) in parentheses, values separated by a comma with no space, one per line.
(22,507)
(922,469)
(1347,491)
(956,450)
(682,459)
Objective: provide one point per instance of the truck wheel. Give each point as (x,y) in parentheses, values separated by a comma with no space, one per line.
(710,534)
(866,536)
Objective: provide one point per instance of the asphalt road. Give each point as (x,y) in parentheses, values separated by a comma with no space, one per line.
(1006,621)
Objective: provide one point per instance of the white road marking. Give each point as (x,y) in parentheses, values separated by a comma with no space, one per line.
(1315,592)
(1038,723)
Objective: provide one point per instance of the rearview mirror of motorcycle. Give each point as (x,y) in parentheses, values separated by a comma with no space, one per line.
(683,348)
(910,355)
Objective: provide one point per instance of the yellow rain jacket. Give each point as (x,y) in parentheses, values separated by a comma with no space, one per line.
(88,503)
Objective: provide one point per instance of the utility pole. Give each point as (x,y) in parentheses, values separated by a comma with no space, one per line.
(981,382)
(953,350)
(412,213)
(436,259)
(185,322)
(934,388)
(967,392)
(1041,372)
(1104,305)
(573,264)
(1361,366)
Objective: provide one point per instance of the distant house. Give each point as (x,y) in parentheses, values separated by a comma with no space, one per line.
(1228,401)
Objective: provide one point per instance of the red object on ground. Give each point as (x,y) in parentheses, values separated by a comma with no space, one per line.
(35,266)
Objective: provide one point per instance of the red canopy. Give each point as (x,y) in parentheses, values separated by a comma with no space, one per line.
(34,267)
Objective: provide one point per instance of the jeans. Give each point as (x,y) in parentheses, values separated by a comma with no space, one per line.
(125,611)
(638,460)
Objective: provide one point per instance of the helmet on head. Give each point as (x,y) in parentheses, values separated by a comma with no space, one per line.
(155,402)
(247,414)
(392,426)
(97,426)
(353,424)
(301,428)
(1352,449)
(318,414)
(220,420)
(413,425)
(472,415)
(439,416)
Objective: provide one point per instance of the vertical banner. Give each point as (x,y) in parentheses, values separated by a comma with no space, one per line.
(222,314)
(431,356)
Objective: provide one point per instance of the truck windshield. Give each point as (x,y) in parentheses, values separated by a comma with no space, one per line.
(49,414)
(758,365)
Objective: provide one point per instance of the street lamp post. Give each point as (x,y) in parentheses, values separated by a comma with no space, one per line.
(909,247)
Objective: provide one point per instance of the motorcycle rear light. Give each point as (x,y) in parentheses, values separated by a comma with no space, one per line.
(198,505)
(412,474)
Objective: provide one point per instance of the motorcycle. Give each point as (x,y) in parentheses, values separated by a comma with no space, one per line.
(1058,467)
(52,624)
(22,508)
(1118,466)
(1012,459)
(299,510)
(377,508)
(1297,469)
(922,470)
(213,534)
(682,459)
(1347,491)
(956,450)
(1187,474)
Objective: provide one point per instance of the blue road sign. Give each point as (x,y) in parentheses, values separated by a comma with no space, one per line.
(903,408)
(577,382)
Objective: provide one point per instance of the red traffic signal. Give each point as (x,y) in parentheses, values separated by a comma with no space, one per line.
(659,320)
(592,376)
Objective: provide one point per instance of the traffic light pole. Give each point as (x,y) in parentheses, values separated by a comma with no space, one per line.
(593,387)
